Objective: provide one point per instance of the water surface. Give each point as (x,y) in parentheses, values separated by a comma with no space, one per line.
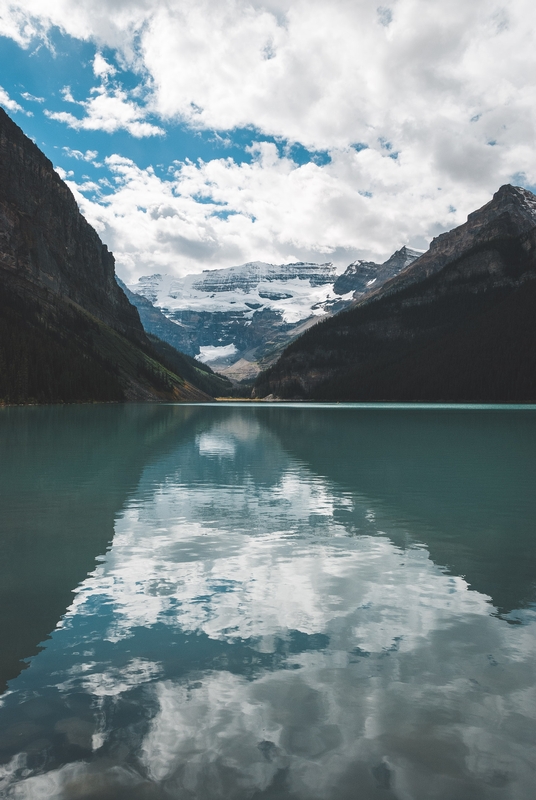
(269,601)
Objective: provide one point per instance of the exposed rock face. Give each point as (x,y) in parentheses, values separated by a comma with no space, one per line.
(45,240)
(362,277)
(67,330)
(456,325)
(511,213)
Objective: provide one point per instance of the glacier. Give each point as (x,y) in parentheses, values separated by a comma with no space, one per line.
(237,318)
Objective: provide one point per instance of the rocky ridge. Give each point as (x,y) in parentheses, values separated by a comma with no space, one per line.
(45,240)
(362,277)
(248,276)
(456,325)
(510,213)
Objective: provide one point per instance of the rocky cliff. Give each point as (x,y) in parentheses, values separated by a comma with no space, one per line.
(362,277)
(457,324)
(510,214)
(46,241)
(165,338)
(67,330)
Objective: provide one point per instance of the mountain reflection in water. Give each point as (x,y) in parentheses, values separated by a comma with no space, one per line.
(270,602)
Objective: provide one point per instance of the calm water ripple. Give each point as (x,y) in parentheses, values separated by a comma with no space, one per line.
(280,602)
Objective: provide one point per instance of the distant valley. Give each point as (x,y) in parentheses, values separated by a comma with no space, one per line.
(239,319)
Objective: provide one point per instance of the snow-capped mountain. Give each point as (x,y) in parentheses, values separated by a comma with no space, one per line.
(295,291)
(232,318)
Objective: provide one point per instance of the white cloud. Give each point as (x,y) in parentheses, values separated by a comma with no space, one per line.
(335,73)
(221,213)
(420,677)
(102,68)
(89,155)
(443,94)
(32,98)
(67,95)
(64,174)
(11,105)
(324,74)
(107,110)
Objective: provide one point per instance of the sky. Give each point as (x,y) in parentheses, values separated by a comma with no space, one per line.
(198,134)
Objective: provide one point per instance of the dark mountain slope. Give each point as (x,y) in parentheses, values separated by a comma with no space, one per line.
(458,325)
(165,336)
(194,371)
(67,330)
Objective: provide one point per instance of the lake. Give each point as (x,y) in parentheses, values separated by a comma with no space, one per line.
(273,601)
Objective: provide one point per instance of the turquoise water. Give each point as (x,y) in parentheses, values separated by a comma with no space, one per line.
(267,601)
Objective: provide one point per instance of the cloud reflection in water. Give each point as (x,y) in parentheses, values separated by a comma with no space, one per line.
(280,652)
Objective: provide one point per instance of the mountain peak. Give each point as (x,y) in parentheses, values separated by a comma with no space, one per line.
(515,201)
(509,214)
(361,277)
(408,251)
(507,189)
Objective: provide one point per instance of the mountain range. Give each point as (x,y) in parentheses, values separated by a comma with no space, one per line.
(456,325)
(239,318)
(453,324)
